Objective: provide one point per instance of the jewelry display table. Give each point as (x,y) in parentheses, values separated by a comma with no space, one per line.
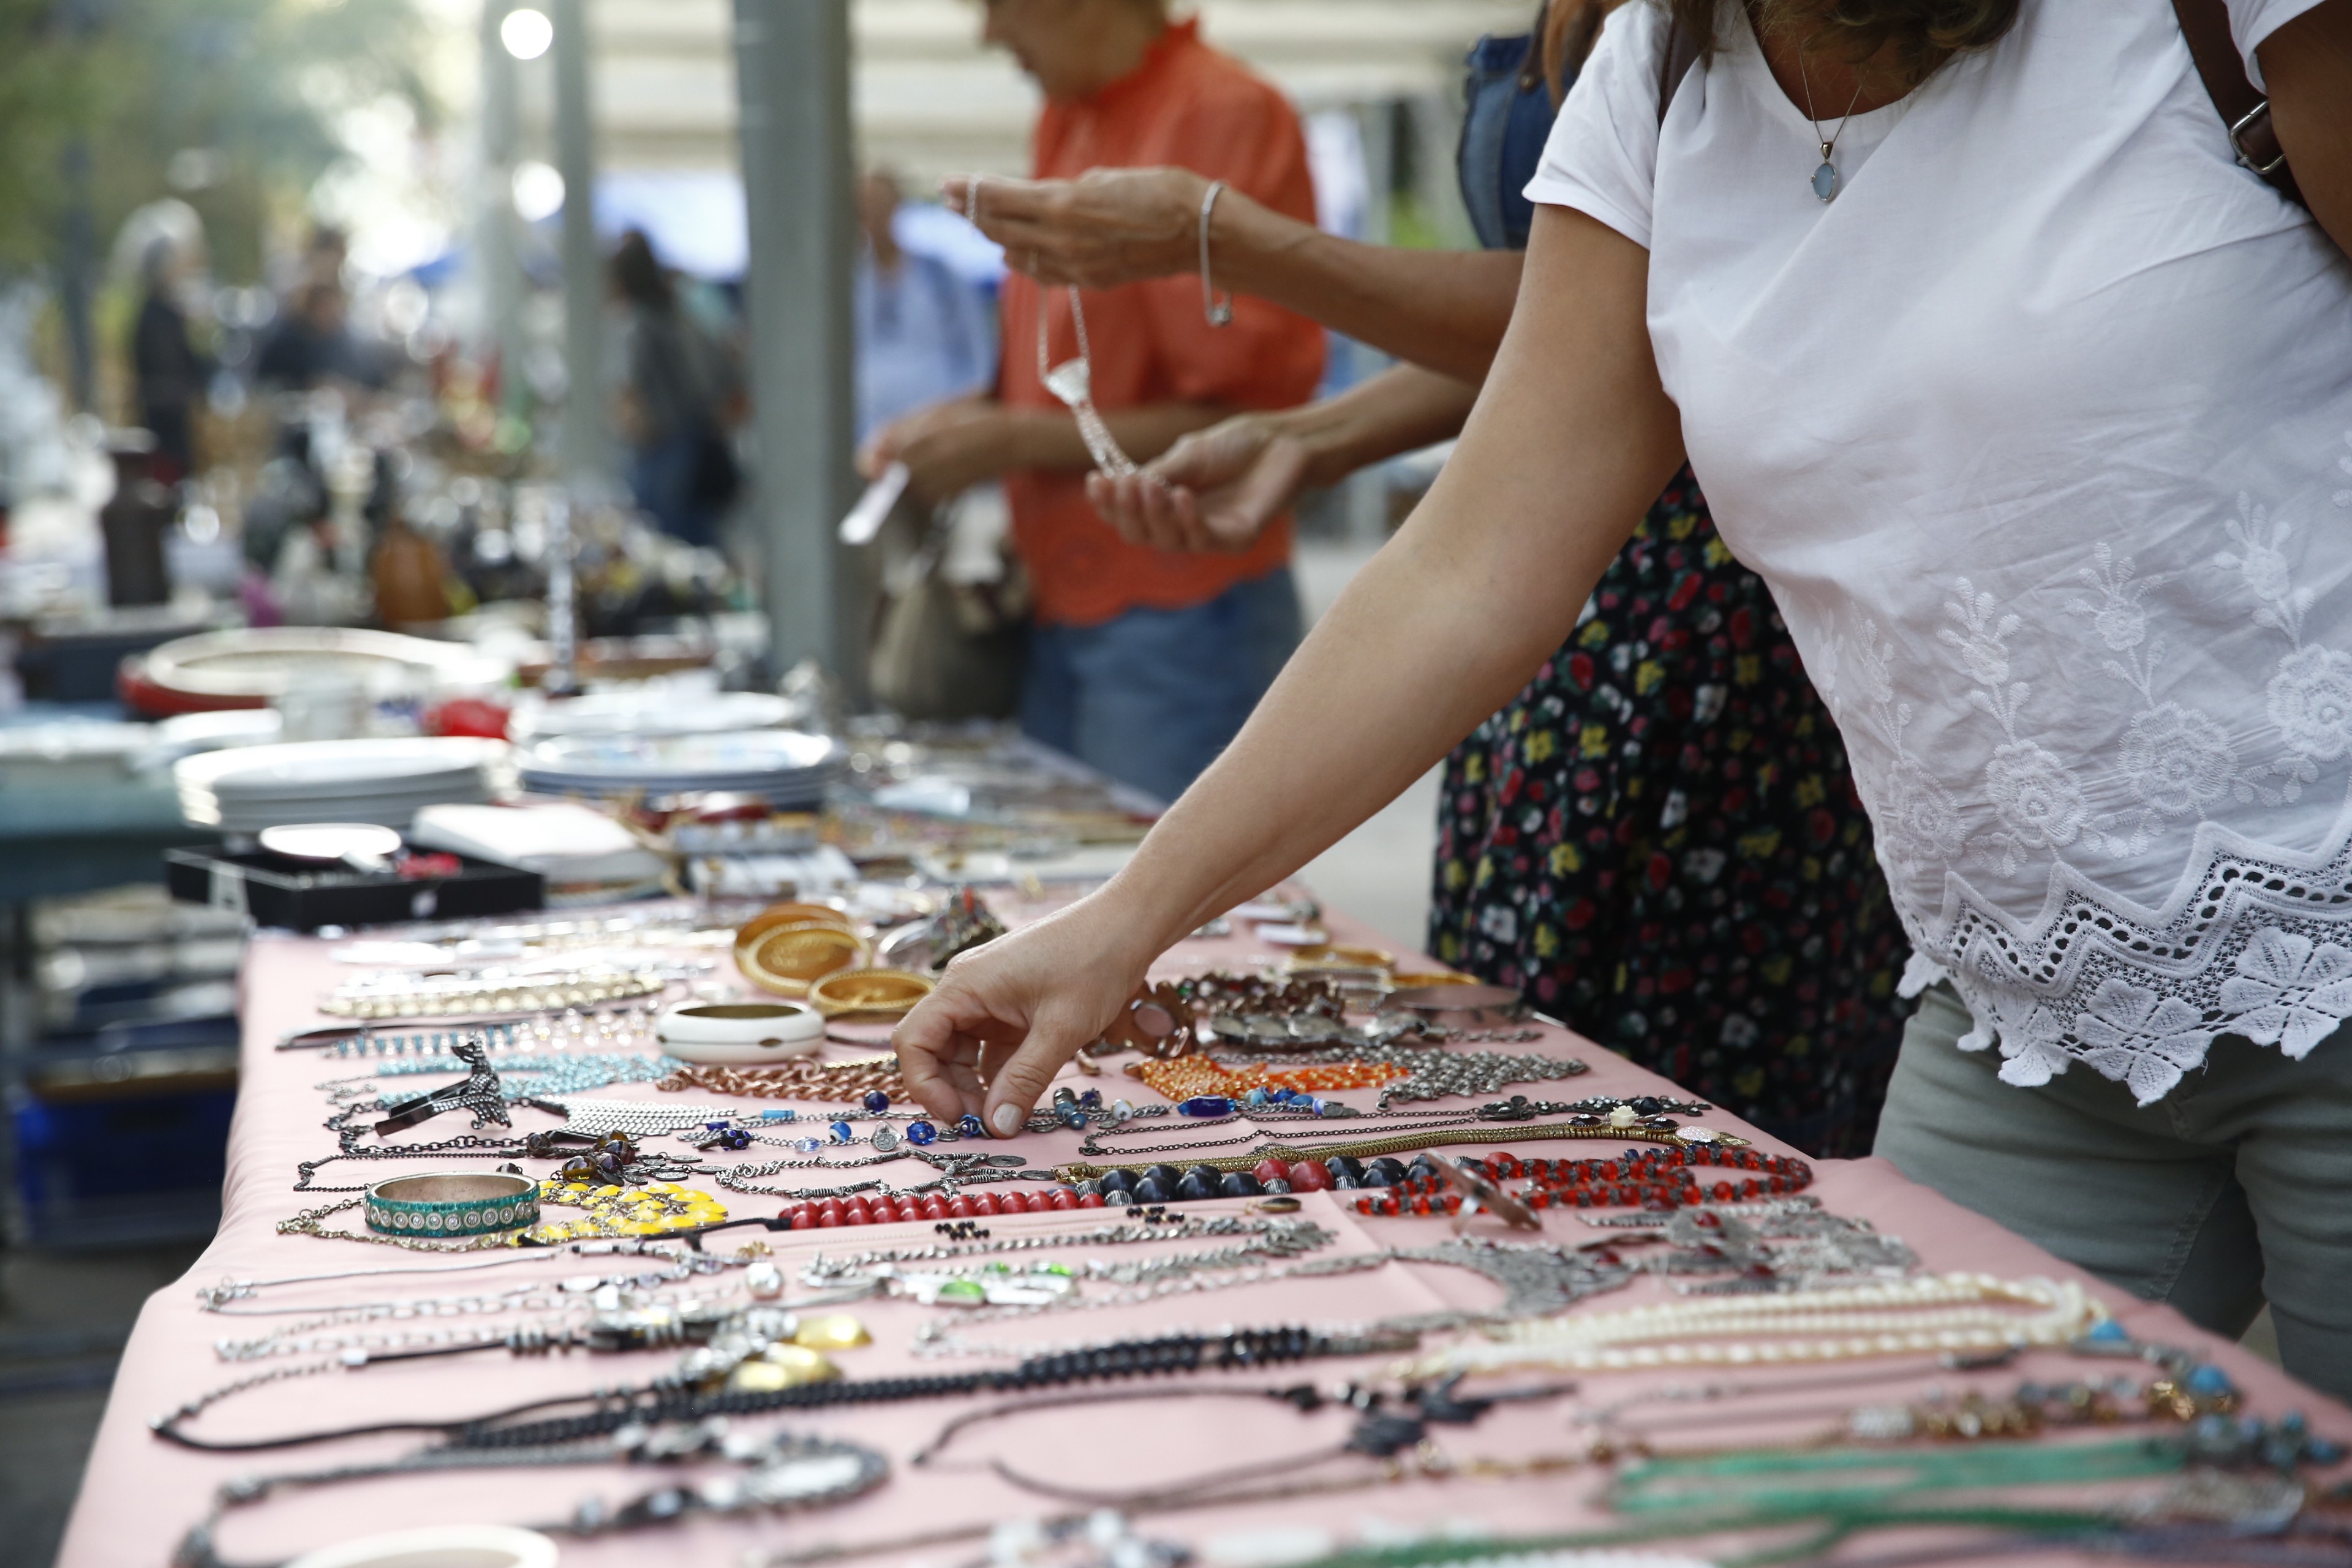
(142,1494)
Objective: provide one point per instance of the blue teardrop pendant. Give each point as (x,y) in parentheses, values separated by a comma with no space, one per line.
(1825,181)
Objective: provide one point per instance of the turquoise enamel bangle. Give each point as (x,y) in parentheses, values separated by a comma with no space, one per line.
(453,1203)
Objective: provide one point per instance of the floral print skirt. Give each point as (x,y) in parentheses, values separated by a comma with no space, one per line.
(1659,844)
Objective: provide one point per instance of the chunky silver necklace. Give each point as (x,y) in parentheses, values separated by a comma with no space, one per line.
(1245,1262)
(1787,1247)
(822,1271)
(214,1298)
(955,1170)
(1538,1278)
(217,1299)
(643,1118)
(556,1313)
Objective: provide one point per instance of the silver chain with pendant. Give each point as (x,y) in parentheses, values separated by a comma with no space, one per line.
(1826,180)
(1769,1249)
(1538,1279)
(1144,1279)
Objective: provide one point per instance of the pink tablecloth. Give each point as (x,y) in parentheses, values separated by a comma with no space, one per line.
(141,1494)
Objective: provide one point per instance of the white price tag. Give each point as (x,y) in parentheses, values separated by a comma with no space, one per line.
(873,509)
(227,889)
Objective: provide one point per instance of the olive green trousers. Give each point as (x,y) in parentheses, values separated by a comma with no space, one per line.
(2233,1189)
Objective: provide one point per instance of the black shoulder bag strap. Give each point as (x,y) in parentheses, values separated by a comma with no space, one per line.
(2205,24)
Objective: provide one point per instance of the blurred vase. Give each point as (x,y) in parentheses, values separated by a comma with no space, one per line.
(135,523)
(410,577)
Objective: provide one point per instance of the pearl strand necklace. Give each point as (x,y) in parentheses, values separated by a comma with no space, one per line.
(1935,1314)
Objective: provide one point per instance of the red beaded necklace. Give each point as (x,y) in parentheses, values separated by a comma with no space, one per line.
(1648,1178)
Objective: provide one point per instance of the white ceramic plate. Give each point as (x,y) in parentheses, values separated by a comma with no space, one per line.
(650,713)
(438,1546)
(315,769)
(266,661)
(730,754)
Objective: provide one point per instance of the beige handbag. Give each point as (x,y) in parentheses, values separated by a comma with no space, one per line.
(952,632)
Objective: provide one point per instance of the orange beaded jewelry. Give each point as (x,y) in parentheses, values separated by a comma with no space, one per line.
(1182,1078)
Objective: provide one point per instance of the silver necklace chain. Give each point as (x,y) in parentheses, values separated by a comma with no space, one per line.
(820,1268)
(1538,1279)
(212,1298)
(1826,188)
(556,1314)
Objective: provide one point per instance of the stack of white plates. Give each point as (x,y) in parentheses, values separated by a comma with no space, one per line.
(788,768)
(387,781)
(645,711)
(254,666)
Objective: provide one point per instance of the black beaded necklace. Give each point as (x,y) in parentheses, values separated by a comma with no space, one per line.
(605,1411)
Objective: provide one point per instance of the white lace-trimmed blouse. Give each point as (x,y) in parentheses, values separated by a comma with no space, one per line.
(2042,434)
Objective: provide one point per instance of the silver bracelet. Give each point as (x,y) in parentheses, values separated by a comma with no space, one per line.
(1220,313)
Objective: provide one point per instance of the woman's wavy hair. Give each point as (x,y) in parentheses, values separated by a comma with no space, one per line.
(1922,32)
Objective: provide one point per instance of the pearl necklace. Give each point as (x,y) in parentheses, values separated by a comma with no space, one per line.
(1935,1314)
(385,995)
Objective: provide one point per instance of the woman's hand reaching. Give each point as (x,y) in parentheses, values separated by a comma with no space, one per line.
(1007,1016)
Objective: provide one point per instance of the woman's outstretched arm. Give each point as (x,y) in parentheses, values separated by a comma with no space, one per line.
(1569,444)
(1444,309)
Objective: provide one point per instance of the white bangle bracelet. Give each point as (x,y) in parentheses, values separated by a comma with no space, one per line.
(740,1034)
(1220,313)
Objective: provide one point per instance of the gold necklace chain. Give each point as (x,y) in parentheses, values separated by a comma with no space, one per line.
(310,1222)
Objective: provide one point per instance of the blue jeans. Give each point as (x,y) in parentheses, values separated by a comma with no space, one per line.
(661,475)
(1151,697)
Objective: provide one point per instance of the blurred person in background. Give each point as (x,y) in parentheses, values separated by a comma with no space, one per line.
(169,370)
(312,344)
(924,335)
(673,402)
(1144,661)
(1658,841)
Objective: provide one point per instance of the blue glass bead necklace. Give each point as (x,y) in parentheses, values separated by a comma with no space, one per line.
(1078,1111)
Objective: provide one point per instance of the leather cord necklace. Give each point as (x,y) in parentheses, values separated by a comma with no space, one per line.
(784,1472)
(1382,1429)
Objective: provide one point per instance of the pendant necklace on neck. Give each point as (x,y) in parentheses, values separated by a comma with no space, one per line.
(1826,180)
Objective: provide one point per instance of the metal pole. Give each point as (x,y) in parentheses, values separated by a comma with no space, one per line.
(585,447)
(793,64)
(500,273)
(77,266)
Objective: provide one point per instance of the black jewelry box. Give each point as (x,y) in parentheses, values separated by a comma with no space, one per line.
(275,892)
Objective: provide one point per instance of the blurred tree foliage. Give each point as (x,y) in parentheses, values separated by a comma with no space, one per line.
(39,104)
(230,105)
